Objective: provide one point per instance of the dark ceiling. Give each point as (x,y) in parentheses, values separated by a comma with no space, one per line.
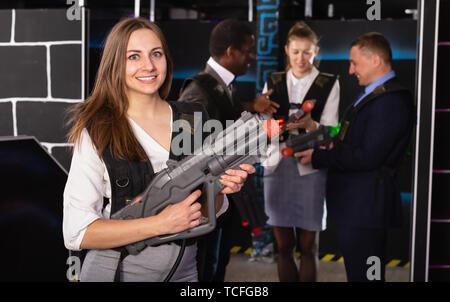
(219,9)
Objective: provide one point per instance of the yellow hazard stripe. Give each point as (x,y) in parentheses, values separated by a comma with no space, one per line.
(394,262)
(235,249)
(327,257)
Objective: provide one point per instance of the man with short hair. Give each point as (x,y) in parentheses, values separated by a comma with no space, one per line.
(232,49)
(362,197)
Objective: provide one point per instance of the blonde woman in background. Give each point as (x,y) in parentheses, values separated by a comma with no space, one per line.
(294,193)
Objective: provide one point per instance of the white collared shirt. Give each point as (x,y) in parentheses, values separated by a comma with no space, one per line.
(298,88)
(226,75)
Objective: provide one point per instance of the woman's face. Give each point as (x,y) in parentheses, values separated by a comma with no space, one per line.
(146,65)
(301,53)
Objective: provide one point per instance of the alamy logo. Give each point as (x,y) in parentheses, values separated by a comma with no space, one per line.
(238,138)
(73,272)
(373,12)
(374,271)
(74,11)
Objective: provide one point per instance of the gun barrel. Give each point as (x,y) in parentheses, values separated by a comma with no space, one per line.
(310,140)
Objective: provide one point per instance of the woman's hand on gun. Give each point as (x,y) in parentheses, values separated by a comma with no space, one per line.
(180,216)
(306,122)
(233,180)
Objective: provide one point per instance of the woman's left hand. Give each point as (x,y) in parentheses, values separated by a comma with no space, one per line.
(305,122)
(233,180)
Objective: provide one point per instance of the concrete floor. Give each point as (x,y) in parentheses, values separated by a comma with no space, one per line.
(240,269)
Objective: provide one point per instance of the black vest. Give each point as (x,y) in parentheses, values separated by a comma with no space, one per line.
(319,90)
(216,95)
(129,178)
(351,112)
(393,161)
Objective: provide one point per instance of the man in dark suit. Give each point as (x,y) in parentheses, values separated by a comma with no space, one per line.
(232,50)
(362,197)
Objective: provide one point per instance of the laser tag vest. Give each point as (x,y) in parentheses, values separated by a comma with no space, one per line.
(397,155)
(319,90)
(350,114)
(216,96)
(129,178)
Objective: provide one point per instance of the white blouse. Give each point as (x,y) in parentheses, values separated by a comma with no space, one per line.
(88,182)
(298,88)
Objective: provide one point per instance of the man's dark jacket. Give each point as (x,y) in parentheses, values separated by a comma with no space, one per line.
(361,188)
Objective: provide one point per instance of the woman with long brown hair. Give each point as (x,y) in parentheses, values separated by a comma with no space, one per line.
(122,136)
(294,193)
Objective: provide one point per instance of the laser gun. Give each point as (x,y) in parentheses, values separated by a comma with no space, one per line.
(245,141)
(310,140)
(306,107)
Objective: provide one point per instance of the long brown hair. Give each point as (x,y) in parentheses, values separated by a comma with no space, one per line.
(103,114)
(301,30)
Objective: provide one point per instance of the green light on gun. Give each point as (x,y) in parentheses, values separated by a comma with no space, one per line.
(334,130)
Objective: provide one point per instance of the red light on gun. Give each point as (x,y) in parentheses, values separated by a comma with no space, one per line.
(280,122)
(287,152)
(308,105)
(272,127)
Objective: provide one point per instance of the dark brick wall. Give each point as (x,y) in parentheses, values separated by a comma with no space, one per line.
(5,25)
(6,119)
(41,25)
(23,71)
(40,76)
(45,121)
(63,58)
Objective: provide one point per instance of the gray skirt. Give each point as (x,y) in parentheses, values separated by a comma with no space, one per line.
(292,200)
(152,264)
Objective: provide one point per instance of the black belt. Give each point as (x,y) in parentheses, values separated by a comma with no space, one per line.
(295,105)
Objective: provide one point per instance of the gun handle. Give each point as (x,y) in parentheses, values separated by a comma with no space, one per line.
(213,187)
